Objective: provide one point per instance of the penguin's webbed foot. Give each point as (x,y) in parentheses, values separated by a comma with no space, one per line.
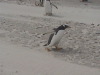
(58,48)
(48,49)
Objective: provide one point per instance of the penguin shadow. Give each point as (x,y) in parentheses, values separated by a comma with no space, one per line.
(59,16)
(65,51)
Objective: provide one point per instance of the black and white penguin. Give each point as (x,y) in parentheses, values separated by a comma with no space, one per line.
(55,37)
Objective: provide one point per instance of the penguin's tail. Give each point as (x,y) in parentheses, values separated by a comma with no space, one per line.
(45,45)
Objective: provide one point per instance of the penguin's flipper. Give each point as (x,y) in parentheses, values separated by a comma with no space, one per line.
(49,40)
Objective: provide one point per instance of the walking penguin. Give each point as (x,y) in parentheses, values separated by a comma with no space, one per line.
(55,37)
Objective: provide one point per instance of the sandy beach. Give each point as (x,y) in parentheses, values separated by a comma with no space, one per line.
(24,30)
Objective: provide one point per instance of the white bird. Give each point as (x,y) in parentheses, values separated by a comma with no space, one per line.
(55,37)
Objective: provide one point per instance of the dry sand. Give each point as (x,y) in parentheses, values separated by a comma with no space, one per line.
(17,60)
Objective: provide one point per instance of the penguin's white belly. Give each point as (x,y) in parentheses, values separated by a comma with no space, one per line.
(56,38)
(48,7)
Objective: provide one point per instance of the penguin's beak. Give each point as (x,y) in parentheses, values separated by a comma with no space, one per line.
(68,27)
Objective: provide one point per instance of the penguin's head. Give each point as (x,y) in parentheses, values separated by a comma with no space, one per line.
(62,27)
(66,26)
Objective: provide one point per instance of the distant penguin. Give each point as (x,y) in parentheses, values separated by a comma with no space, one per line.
(48,8)
(55,37)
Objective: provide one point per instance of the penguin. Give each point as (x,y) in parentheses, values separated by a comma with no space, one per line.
(55,37)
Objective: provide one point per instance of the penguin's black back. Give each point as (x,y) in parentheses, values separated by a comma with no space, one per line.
(59,28)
